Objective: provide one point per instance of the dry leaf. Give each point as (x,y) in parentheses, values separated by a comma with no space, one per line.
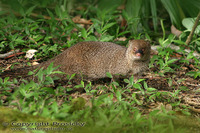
(35,63)
(175,31)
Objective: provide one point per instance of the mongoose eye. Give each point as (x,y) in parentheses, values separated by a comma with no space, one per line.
(143,50)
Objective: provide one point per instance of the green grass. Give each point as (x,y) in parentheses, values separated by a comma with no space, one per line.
(109,107)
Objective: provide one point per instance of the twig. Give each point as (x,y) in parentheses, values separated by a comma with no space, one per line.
(8,54)
(193,29)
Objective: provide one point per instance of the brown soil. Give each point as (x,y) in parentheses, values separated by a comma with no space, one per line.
(188,87)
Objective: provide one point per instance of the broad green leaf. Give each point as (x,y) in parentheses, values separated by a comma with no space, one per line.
(49,80)
(131,79)
(154,112)
(197,74)
(80,85)
(23,92)
(50,14)
(30,73)
(109,75)
(58,12)
(122,33)
(135,99)
(171,61)
(106,38)
(178,41)
(137,86)
(28,12)
(118,95)
(38,38)
(55,107)
(154,14)
(58,72)
(115,83)
(84,33)
(72,76)
(140,80)
(175,11)
(145,85)
(6,79)
(45,112)
(101,97)
(133,11)
(189,23)
(49,90)
(40,74)
(50,68)
(126,81)
(108,26)
(151,89)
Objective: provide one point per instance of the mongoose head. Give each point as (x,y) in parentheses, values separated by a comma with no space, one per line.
(138,50)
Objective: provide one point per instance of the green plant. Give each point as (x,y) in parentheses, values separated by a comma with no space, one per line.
(5,87)
(105,107)
(164,61)
(194,74)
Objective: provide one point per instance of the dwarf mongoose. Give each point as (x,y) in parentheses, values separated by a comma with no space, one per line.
(94,59)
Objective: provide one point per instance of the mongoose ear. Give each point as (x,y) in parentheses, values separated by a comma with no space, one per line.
(130,46)
(130,43)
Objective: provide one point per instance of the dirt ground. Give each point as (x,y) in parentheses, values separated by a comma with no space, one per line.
(189,87)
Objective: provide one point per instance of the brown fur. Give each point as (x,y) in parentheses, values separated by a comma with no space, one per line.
(94,59)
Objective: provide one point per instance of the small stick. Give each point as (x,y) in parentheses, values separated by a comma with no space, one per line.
(15,54)
(8,54)
(193,29)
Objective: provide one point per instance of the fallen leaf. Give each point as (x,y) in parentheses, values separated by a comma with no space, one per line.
(175,31)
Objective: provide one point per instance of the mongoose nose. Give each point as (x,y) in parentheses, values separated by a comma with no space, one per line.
(138,54)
